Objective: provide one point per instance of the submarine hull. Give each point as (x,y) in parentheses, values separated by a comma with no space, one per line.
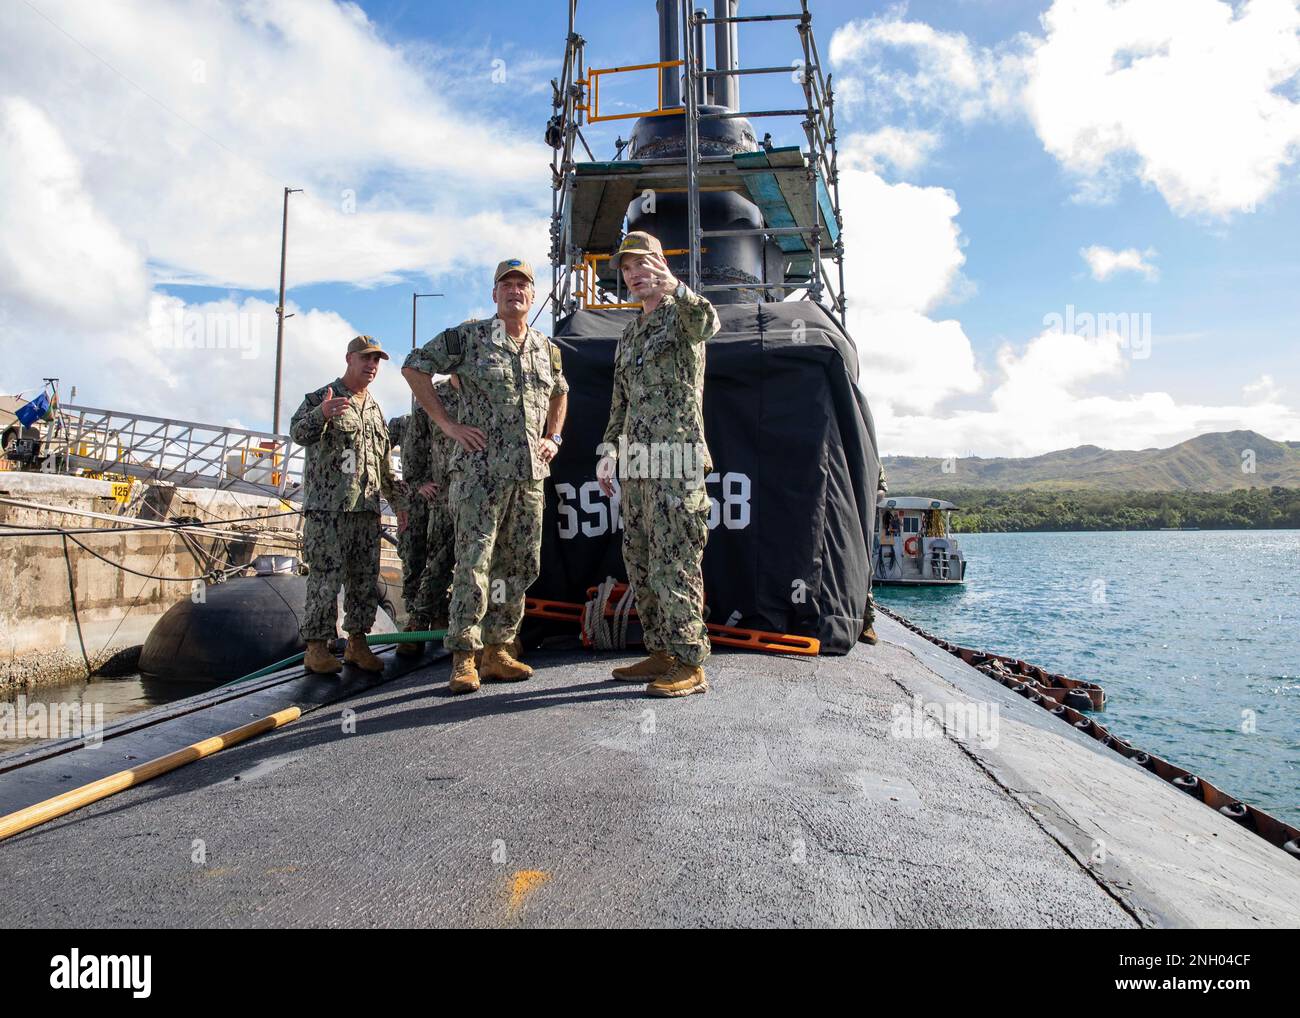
(240,626)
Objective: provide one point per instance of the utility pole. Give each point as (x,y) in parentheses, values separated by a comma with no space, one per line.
(414,298)
(279,311)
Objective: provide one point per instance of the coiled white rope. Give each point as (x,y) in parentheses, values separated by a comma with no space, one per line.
(611,633)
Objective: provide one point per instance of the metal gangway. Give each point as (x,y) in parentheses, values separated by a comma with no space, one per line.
(86,440)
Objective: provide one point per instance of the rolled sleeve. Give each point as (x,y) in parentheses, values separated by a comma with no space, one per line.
(434,358)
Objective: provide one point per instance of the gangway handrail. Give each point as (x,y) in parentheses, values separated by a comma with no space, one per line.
(173,450)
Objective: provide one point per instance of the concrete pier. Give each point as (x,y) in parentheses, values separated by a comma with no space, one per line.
(39,639)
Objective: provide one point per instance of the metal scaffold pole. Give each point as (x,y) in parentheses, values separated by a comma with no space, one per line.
(693,77)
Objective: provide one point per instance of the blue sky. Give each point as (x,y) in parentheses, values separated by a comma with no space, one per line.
(986,145)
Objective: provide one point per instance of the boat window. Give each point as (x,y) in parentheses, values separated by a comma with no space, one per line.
(911,524)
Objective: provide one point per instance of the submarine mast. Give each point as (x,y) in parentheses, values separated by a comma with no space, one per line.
(741,220)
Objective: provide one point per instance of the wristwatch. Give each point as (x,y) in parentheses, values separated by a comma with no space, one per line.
(680,292)
(556,438)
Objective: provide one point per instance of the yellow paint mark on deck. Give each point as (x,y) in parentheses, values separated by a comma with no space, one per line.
(523,884)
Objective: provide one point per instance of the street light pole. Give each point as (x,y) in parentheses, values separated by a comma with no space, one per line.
(414,298)
(279,311)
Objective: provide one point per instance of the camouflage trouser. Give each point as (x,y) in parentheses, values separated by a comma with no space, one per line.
(432,601)
(498,555)
(412,547)
(340,548)
(665,527)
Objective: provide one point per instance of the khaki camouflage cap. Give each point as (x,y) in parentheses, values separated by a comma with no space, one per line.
(639,243)
(513,265)
(366,344)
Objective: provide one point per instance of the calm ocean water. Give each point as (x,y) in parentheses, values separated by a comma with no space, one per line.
(1193,634)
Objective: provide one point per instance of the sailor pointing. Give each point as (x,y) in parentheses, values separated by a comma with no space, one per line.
(657,408)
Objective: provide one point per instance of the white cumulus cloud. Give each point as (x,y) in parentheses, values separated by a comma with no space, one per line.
(1197,98)
(906,151)
(60,254)
(944,71)
(904,261)
(185,147)
(148,144)
(1103,262)
(1044,399)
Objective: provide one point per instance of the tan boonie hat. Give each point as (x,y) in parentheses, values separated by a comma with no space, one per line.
(513,265)
(639,243)
(366,344)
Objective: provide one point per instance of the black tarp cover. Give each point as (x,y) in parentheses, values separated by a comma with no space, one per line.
(795,469)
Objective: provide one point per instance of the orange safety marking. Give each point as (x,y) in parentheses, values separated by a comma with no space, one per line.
(562,610)
(728,636)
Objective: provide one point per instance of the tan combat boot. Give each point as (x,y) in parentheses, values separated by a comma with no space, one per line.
(414,648)
(499,666)
(869,636)
(318,659)
(359,654)
(683,680)
(464,677)
(658,663)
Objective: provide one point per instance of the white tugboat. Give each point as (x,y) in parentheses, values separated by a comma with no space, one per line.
(914,542)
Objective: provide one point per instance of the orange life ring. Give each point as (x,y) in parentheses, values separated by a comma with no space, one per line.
(910,545)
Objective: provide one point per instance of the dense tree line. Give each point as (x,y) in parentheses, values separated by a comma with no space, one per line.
(1037,509)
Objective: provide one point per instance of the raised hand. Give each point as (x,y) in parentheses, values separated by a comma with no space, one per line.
(664,280)
(332,406)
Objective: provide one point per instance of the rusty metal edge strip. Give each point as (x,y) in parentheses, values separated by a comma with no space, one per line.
(1265,825)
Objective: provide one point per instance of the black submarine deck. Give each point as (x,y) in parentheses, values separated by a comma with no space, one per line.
(783,797)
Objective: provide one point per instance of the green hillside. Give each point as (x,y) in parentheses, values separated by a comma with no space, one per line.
(1217,462)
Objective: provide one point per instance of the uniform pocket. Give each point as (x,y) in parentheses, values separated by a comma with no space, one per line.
(348,421)
(657,364)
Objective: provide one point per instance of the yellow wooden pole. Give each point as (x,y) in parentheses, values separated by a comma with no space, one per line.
(33,816)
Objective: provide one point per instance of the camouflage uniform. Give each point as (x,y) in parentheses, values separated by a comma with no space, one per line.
(410,433)
(347,466)
(430,608)
(658,399)
(495,494)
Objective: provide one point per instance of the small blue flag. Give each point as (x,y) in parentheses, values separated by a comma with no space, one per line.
(34,411)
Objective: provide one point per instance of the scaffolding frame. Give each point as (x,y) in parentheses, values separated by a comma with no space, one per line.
(573,105)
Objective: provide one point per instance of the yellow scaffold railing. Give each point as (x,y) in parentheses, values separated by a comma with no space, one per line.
(592,80)
(589,282)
